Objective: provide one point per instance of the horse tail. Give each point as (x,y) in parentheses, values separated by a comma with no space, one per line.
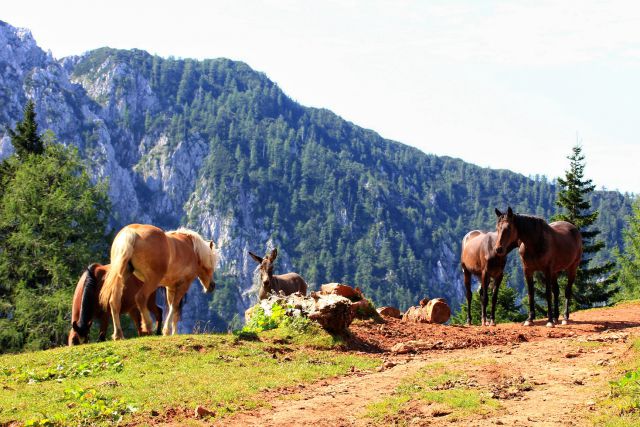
(121,253)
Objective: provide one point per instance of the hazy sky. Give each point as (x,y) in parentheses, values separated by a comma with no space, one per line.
(504,84)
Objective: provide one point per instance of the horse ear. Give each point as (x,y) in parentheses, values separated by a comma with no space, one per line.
(509,212)
(255,257)
(498,213)
(274,254)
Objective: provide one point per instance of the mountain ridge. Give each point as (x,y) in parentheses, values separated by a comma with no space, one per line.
(219,147)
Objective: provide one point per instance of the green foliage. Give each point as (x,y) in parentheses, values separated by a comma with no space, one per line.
(261,321)
(595,284)
(52,224)
(508,307)
(629,260)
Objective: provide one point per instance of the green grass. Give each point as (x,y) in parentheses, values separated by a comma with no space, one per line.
(434,384)
(622,406)
(101,383)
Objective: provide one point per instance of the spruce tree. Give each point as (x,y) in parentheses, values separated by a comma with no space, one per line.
(629,259)
(594,283)
(25,138)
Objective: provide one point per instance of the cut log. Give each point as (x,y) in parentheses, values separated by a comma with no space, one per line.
(434,311)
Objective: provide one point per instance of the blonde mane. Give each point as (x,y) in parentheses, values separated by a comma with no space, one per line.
(207,256)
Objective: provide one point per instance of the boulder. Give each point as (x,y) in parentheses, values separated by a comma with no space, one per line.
(390,312)
(437,311)
(333,312)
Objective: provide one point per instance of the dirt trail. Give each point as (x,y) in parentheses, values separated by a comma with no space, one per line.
(540,376)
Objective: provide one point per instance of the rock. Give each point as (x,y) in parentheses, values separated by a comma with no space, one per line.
(437,311)
(333,312)
(342,290)
(202,412)
(389,312)
(414,346)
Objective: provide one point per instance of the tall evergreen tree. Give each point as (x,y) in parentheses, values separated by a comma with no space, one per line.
(629,259)
(25,138)
(594,283)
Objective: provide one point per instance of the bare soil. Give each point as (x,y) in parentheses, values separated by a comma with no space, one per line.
(541,376)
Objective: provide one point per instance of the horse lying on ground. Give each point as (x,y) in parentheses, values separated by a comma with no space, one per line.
(86,307)
(479,258)
(174,259)
(287,283)
(549,248)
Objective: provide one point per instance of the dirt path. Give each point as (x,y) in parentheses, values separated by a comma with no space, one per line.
(540,376)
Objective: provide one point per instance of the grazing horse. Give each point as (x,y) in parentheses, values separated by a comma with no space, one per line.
(479,258)
(86,307)
(173,260)
(287,283)
(549,248)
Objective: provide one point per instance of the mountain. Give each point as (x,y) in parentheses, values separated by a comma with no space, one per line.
(218,147)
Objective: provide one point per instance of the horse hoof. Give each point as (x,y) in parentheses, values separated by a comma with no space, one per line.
(528,323)
(492,323)
(550,325)
(565,322)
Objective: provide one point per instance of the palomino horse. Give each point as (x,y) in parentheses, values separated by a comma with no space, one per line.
(86,307)
(172,260)
(479,258)
(287,283)
(549,248)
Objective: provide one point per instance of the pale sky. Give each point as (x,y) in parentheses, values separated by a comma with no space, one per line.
(503,84)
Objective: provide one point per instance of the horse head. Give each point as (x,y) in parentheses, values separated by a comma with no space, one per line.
(507,232)
(207,267)
(266,270)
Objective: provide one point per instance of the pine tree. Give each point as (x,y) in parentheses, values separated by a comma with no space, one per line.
(594,284)
(508,307)
(629,260)
(25,138)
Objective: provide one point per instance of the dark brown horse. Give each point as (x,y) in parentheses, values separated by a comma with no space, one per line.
(86,307)
(479,258)
(288,283)
(548,248)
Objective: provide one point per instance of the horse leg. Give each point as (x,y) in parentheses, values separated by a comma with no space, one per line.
(171,292)
(467,285)
(556,295)
(568,292)
(104,324)
(547,294)
(141,301)
(180,291)
(137,319)
(157,312)
(532,303)
(494,299)
(114,304)
(485,297)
